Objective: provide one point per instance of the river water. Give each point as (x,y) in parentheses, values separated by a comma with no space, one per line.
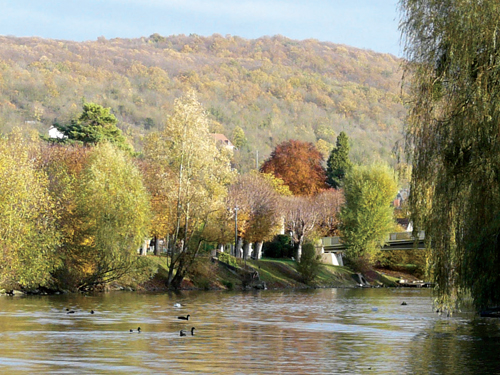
(322,331)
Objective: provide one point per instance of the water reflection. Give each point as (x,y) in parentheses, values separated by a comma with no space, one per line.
(457,346)
(328,331)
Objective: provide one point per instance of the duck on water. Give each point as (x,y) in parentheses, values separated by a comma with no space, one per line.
(184,333)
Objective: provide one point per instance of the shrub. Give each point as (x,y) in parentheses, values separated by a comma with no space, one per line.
(280,247)
(228,259)
(309,264)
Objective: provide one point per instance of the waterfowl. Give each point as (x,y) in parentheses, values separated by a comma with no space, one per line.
(184,317)
(70,312)
(184,333)
(177,305)
(138,330)
(91,311)
(404,303)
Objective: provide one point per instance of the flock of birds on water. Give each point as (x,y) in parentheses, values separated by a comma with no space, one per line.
(182,332)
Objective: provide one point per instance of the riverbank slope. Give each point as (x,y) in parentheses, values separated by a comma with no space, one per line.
(269,273)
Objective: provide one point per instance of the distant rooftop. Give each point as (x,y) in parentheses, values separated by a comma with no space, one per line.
(223,139)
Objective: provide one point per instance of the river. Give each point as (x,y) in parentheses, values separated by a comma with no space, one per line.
(322,331)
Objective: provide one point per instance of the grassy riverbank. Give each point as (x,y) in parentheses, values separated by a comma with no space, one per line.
(275,273)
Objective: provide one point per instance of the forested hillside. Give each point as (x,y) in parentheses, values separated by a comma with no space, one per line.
(272,88)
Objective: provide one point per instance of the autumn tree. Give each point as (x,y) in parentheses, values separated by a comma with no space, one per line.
(338,163)
(63,165)
(113,206)
(367,216)
(258,210)
(329,203)
(304,216)
(299,165)
(277,184)
(195,174)
(28,234)
(454,143)
(94,125)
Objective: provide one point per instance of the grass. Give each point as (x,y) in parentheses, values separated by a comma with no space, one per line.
(276,273)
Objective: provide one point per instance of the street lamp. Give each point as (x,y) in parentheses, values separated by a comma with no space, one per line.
(235,229)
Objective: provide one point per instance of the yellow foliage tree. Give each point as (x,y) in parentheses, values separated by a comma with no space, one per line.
(28,236)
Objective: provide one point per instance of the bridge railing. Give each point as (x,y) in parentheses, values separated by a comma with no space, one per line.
(334,242)
(330,241)
(402,236)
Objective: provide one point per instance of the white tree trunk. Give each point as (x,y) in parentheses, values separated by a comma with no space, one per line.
(258,250)
(144,248)
(238,251)
(299,248)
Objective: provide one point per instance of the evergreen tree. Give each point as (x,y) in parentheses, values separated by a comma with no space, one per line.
(95,124)
(338,163)
(239,137)
(309,264)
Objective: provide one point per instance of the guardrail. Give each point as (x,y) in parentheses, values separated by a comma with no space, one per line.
(394,241)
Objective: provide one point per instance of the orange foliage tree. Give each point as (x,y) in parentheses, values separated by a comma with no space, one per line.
(299,165)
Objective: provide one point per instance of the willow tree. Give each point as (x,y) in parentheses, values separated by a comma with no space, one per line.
(112,210)
(453,139)
(194,174)
(28,234)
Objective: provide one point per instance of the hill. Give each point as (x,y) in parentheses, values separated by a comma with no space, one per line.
(273,88)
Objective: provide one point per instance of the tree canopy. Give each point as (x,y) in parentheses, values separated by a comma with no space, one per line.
(453,142)
(194,174)
(299,165)
(28,234)
(367,216)
(94,125)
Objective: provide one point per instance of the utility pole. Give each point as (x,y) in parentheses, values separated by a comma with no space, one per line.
(235,230)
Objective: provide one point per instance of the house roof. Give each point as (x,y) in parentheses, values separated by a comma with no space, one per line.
(223,139)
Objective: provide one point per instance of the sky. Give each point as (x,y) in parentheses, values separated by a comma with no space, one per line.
(367,24)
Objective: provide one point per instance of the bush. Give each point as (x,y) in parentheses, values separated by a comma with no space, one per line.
(280,247)
(309,264)
(228,259)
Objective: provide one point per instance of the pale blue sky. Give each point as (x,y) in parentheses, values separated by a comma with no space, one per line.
(370,24)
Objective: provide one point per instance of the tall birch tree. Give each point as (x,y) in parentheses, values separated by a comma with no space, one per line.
(195,174)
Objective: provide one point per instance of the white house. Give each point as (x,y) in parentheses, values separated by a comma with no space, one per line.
(54,133)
